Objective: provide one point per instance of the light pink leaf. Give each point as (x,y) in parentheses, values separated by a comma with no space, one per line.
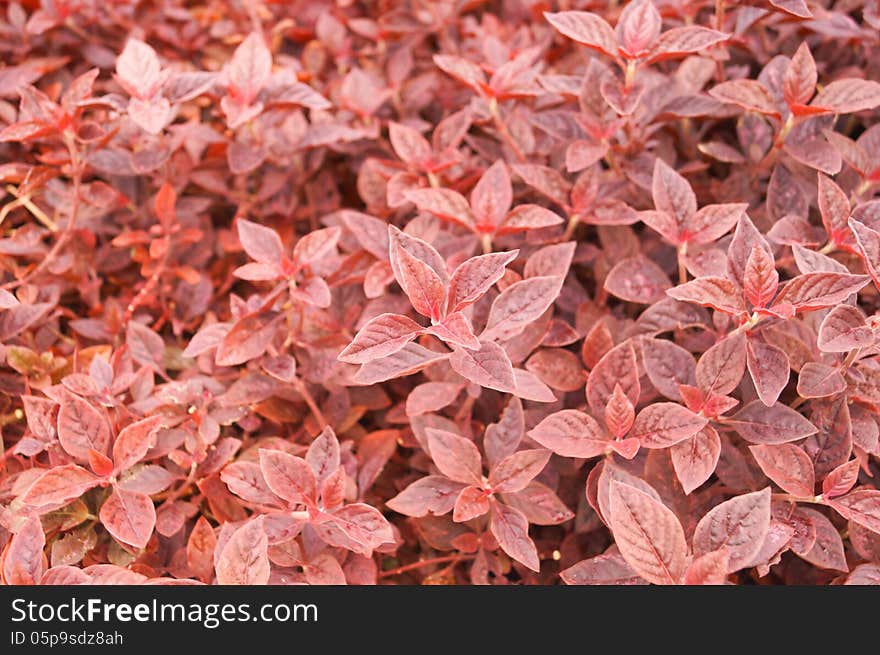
(471,503)
(528,217)
(668,365)
(489,366)
(502,438)
(250,69)
(638,27)
(59,485)
(571,433)
(751,95)
(844,329)
(248,339)
(511,529)
(817,380)
(637,279)
(23,561)
(861,506)
(245,479)
(380,337)
(289,477)
(138,69)
(665,424)
(721,368)
(760,279)
(514,472)
(456,457)
(539,504)
(475,276)
(455,330)
(356,527)
(434,494)
(443,203)
(133,442)
(672,193)
(711,222)
(244,559)
(868,243)
(778,424)
(324,569)
(323,455)
(841,479)
(81,428)
(492,197)
(739,525)
(606,569)
(648,534)
(407,360)
(818,290)
(408,143)
(520,304)
(769,368)
(827,551)
(431,397)
(708,569)
(681,41)
(715,292)
(799,80)
(617,366)
(585,28)
(788,466)
(129,516)
(418,279)
(261,243)
(315,246)
(848,96)
(695,459)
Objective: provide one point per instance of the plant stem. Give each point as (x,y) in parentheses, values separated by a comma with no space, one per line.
(505,134)
(446,559)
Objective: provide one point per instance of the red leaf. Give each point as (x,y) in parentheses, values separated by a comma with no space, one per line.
(818,290)
(638,27)
(751,95)
(637,279)
(721,368)
(817,380)
(760,279)
(133,442)
(129,516)
(419,281)
(739,525)
(443,203)
(200,550)
(827,551)
(681,41)
(619,413)
(708,569)
(471,503)
(648,534)
(861,506)
(672,193)
(248,339)
(323,455)
(455,330)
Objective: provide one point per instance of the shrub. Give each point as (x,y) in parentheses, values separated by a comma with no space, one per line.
(450,292)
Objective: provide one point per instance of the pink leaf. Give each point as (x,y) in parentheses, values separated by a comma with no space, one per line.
(711,222)
(585,28)
(433,494)
(571,433)
(511,529)
(739,525)
(443,203)
(323,455)
(471,503)
(708,569)
(528,217)
(289,477)
(408,144)
(456,457)
(848,96)
(418,279)
(665,424)
(81,427)
(681,41)
(648,534)
(23,561)
(861,506)
(475,276)
(520,304)
(261,243)
(249,70)
(138,69)
(244,559)
(380,337)
(715,292)
(751,95)
(827,552)
(133,442)
(638,27)
(248,339)
(492,197)
(637,279)
(695,459)
(489,366)
(721,368)
(514,472)
(129,516)
(760,279)
(817,380)
(844,329)
(841,479)
(799,80)
(769,368)
(778,424)
(818,290)
(788,466)
(59,485)
(672,193)
(455,330)
(617,366)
